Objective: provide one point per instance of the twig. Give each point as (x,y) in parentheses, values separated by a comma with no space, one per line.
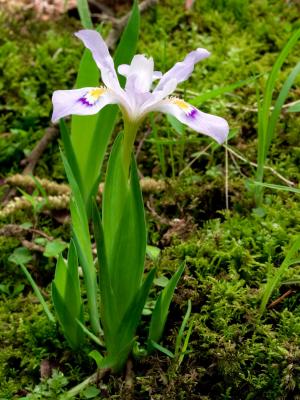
(119,24)
(147,184)
(30,162)
(101,7)
(50,134)
(18,230)
(140,145)
(27,181)
(61,201)
(281,298)
(95,378)
(272,170)
(32,246)
(196,158)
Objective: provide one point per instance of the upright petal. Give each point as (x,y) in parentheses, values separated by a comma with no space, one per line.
(183,69)
(210,125)
(85,101)
(139,74)
(94,42)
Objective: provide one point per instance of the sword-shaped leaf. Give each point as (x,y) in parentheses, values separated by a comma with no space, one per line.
(161,309)
(67,298)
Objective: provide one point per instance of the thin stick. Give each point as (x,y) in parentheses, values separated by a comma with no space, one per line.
(195,159)
(279,300)
(119,24)
(31,161)
(96,377)
(272,170)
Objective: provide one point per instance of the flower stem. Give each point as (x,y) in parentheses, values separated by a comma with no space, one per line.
(130,130)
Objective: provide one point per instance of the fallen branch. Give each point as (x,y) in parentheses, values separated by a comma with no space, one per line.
(281,298)
(119,24)
(50,134)
(20,231)
(62,199)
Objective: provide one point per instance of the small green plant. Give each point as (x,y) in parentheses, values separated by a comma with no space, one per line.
(274,278)
(267,117)
(52,388)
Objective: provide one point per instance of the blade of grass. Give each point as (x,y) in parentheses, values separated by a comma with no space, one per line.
(161,309)
(278,187)
(182,328)
(279,103)
(198,100)
(264,112)
(38,293)
(274,281)
(107,117)
(84,14)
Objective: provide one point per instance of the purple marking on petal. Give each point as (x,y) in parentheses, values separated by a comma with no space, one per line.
(85,102)
(193,113)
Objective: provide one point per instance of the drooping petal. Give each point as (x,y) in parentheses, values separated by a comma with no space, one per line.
(85,101)
(139,74)
(182,70)
(94,42)
(210,125)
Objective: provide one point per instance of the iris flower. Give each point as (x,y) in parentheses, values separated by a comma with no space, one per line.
(137,99)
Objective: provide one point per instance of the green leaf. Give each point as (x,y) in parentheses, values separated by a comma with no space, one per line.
(279,103)
(162,349)
(70,154)
(266,124)
(182,328)
(198,100)
(114,195)
(72,332)
(21,255)
(54,248)
(83,127)
(278,187)
(109,315)
(66,297)
(107,117)
(97,357)
(84,14)
(161,310)
(67,282)
(83,245)
(91,134)
(153,252)
(274,281)
(176,125)
(128,241)
(91,392)
(162,281)
(93,337)
(120,342)
(294,108)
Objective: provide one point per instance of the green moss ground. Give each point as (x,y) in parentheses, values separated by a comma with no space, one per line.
(232,352)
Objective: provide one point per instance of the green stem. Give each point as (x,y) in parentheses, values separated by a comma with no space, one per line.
(88,381)
(38,293)
(130,130)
